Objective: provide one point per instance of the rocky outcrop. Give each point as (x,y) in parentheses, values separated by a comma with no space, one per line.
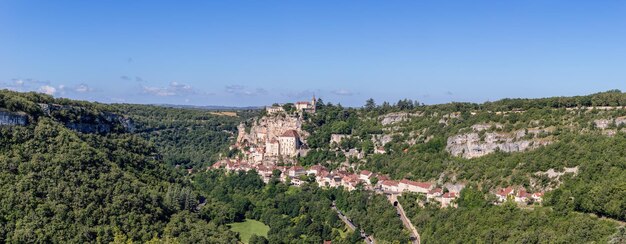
(82,120)
(269,127)
(381,139)
(447,117)
(337,138)
(602,123)
(392,118)
(11,118)
(481,127)
(470,145)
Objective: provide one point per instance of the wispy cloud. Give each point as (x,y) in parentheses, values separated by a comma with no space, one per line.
(449,93)
(173,89)
(343,92)
(83,88)
(124,77)
(300,94)
(50,90)
(24,85)
(241,90)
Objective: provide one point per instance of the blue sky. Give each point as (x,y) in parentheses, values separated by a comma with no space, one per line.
(260,52)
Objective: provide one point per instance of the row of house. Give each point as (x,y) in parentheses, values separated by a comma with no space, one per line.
(432,193)
(519,195)
(350,181)
(342,178)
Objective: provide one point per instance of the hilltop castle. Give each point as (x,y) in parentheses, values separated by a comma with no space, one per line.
(301,106)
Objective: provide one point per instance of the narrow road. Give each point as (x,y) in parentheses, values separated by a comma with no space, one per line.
(368,239)
(415,236)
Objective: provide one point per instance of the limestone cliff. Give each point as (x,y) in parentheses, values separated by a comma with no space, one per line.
(269,127)
(471,145)
(12,118)
(392,118)
(87,121)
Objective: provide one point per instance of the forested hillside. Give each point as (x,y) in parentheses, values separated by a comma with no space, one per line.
(586,132)
(60,185)
(191,138)
(80,172)
(296,214)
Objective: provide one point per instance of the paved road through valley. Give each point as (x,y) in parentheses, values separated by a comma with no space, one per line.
(368,239)
(415,236)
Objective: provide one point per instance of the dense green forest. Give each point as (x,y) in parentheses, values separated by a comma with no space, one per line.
(82,172)
(58,185)
(477,220)
(599,187)
(295,214)
(191,138)
(62,185)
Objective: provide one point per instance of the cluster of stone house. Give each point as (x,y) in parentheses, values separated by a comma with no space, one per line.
(287,144)
(342,178)
(432,194)
(519,195)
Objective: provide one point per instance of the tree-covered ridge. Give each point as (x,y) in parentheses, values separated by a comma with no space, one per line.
(476,220)
(191,138)
(59,185)
(419,142)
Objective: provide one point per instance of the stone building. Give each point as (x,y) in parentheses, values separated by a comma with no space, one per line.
(289,143)
(272,147)
(274,109)
(306,106)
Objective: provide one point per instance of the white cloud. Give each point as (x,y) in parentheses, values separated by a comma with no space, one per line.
(82,88)
(241,90)
(343,92)
(47,90)
(174,89)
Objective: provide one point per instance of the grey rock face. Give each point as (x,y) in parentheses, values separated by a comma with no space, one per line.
(602,123)
(393,118)
(470,145)
(103,122)
(11,118)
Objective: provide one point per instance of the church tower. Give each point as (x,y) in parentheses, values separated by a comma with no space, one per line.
(313,101)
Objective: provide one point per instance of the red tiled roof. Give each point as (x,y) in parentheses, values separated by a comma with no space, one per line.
(425,185)
(390,183)
(365,172)
(505,191)
(449,195)
(523,193)
(436,190)
(297,168)
(290,133)
(318,167)
(382,177)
